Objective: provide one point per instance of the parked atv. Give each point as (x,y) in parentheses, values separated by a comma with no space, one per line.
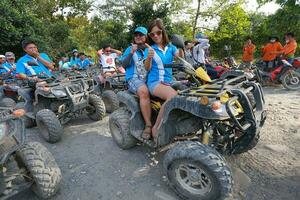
(60,100)
(108,86)
(285,73)
(200,125)
(24,165)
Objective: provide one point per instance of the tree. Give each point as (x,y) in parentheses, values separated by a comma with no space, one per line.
(233,28)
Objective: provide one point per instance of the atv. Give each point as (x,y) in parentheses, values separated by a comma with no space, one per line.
(108,86)
(57,101)
(24,165)
(200,125)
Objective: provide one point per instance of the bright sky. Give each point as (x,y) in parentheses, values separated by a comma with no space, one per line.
(251,5)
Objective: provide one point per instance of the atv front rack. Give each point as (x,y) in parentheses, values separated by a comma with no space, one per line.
(214,89)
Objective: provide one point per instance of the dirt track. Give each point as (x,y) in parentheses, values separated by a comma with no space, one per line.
(93,167)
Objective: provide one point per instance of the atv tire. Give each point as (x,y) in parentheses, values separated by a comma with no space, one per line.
(41,167)
(110,100)
(119,128)
(196,171)
(291,80)
(7,102)
(49,125)
(98,111)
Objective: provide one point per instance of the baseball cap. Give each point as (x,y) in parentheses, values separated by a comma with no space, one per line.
(141,29)
(2,56)
(9,55)
(200,36)
(74,50)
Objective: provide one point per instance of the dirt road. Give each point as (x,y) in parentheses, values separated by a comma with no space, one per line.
(93,167)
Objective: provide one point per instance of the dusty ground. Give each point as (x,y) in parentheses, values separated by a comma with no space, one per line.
(93,167)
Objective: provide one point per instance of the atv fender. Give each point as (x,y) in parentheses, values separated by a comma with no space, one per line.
(136,122)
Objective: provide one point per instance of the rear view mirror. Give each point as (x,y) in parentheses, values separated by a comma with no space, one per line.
(177,40)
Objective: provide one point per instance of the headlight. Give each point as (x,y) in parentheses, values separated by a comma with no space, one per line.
(59,93)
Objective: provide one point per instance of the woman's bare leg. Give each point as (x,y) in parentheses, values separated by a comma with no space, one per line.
(166,93)
(145,104)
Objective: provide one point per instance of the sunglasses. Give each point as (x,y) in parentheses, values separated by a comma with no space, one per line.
(158,33)
(138,35)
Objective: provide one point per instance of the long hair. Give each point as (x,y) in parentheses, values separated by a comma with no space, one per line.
(165,39)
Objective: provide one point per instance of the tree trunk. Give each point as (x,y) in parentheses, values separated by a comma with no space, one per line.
(196,18)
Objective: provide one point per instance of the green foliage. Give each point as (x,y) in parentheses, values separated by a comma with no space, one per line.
(233,28)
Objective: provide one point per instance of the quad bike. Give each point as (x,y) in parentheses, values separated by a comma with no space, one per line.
(285,73)
(24,165)
(57,101)
(108,86)
(199,126)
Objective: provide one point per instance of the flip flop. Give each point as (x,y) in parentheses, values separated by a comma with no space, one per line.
(147,132)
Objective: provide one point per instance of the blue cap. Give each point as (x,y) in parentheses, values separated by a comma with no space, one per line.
(141,29)
(200,36)
(74,50)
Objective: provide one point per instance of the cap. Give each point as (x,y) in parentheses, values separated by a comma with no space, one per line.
(141,29)
(2,56)
(200,36)
(74,50)
(9,55)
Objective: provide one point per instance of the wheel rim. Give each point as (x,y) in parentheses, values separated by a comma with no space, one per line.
(292,81)
(116,130)
(193,179)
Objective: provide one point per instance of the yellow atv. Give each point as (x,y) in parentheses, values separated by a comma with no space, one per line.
(200,125)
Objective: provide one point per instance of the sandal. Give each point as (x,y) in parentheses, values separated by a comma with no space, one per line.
(147,132)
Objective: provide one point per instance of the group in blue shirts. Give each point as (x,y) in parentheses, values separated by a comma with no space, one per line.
(144,63)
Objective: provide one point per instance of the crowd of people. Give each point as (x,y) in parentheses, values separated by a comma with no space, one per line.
(143,61)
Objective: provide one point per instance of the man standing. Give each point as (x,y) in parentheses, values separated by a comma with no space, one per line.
(201,44)
(290,47)
(269,51)
(248,51)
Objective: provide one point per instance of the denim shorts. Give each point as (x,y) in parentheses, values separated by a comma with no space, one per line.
(134,84)
(152,86)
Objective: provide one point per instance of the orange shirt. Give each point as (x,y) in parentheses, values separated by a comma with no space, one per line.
(248,52)
(290,48)
(270,50)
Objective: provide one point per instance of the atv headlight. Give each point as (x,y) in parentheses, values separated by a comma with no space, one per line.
(59,93)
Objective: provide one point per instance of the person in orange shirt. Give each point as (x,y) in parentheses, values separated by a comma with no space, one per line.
(248,51)
(269,51)
(290,47)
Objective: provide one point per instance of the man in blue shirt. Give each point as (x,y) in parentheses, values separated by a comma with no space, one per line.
(83,62)
(30,67)
(10,63)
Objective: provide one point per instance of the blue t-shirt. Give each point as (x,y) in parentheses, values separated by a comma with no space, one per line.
(73,61)
(136,66)
(40,70)
(157,71)
(7,66)
(83,64)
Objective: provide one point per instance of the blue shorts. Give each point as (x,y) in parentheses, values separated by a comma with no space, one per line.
(152,86)
(134,84)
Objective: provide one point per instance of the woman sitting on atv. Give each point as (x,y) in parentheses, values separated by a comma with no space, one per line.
(159,79)
(135,75)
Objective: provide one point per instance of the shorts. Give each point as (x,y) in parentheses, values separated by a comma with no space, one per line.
(152,86)
(134,84)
